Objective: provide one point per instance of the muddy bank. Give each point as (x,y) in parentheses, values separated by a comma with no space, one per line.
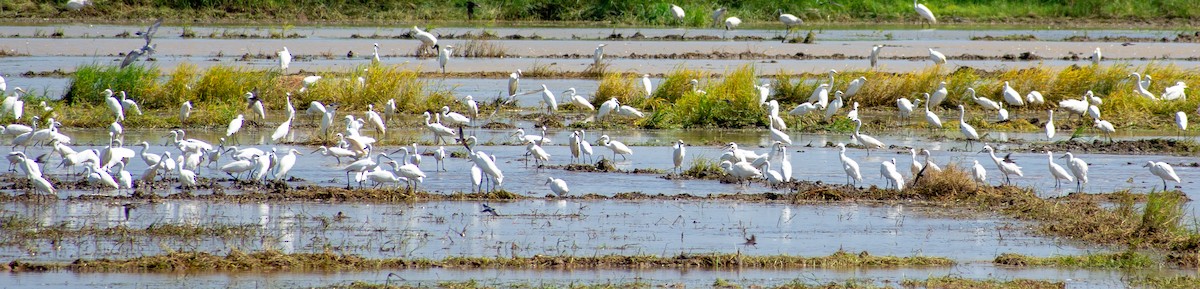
(275,261)
(1156,146)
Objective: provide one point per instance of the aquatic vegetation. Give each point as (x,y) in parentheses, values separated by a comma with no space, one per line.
(731,102)
(238,261)
(1122,260)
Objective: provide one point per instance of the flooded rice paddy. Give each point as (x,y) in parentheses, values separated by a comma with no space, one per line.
(542,224)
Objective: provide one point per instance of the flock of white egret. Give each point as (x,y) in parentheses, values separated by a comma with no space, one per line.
(106,166)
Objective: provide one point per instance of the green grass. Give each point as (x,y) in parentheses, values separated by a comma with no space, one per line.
(731,102)
(218,93)
(652,12)
(1122,260)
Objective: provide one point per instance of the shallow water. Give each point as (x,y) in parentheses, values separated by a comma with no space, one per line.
(552,227)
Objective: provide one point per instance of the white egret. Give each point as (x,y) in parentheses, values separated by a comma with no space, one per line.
(820,96)
(1175,92)
(1163,171)
(616,147)
(363,165)
(1141,87)
(1105,127)
(235,125)
(853,176)
(263,166)
(742,170)
(410,171)
(930,117)
(377,122)
(472,106)
(308,82)
(41,185)
(607,107)
(778,135)
(1002,114)
(834,105)
(802,109)
(439,131)
(558,186)
(185,110)
(375,52)
(905,107)
(1011,96)
(1035,97)
(866,140)
(1079,169)
(1006,165)
(548,98)
(717,15)
(444,56)
(476,178)
(680,151)
(853,114)
(520,135)
(1057,171)
(924,12)
(129,105)
(967,130)
(732,22)
(427,39)
(285,59)
(937,57)
(113,104)
(238,167)
(536,151)
(764,91)
(1181,120)
(785,165)
(335,152)
(514,80)
(454,118)
(439,158)
(982,101)
(598,55)
(585,148)
(938,95)
(773,115)
(788,21)
(649,88)
(677,12)
(1075,106)
(978,172)
(855,86)
(285,164)
(773,177)
(928,163)
(578,101)
(888,171)
(255,104)
(915,167)
(1096,57)
(629,111)
(1093,110)
(1049,128)
(875,55)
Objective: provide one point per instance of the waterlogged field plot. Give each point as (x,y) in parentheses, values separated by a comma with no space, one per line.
(313,177)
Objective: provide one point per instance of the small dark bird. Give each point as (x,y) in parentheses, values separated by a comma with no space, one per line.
(129,208)
(752,241)
(489,209)
(471,10)
(1008,159)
